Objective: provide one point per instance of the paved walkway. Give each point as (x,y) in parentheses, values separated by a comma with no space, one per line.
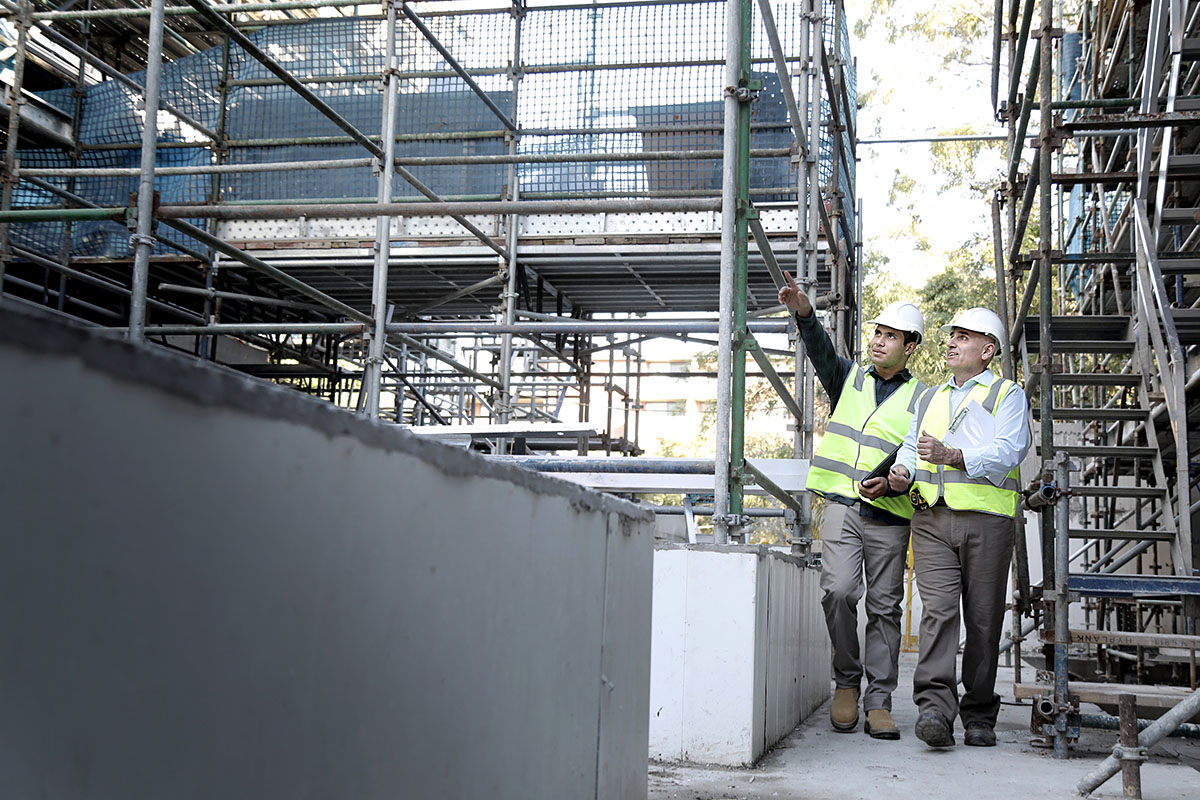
(817,764)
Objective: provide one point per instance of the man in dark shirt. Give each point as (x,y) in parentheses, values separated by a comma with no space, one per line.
(865,528)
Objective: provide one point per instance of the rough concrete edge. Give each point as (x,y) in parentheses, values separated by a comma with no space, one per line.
(212,385)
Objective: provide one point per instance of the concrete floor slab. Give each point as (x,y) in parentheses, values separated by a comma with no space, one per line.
(817,764)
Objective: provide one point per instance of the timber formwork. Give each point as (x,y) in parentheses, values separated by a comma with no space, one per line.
(489,301)
(1098,254)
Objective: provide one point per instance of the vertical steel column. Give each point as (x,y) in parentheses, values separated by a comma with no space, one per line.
(1062,625)
(737,413)
(856,322)
(837,212)
(608,397)
(637,400)
(64,250)
(401,365)
(383,224)
(23,20)
(509,266)
(1001,285)
(1053,517)
(1010,187)
(802,440)
(142,239)
(815,199)
(1131,768)
(212,307)
(626,450)
(729,198)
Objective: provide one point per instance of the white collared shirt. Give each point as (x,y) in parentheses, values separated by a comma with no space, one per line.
(996,459)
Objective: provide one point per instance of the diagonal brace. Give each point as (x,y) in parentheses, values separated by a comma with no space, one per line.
(773,489)
(454,65)
(772,376)
(764,248)
(785,80)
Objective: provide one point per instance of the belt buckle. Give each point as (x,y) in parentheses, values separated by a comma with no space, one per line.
(918,500)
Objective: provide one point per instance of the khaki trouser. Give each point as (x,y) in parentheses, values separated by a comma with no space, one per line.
(960,556)
(850,547)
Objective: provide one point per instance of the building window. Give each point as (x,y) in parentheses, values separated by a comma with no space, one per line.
(672,408)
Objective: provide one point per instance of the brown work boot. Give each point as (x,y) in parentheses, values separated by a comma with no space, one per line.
(843,714)
(879,725)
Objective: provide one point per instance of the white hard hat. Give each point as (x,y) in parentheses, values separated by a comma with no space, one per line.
(980,320)
(903,317)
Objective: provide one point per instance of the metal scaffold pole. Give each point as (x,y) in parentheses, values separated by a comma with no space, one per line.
(14,129)
(1045,352)
(383,223)
(143,241)
(726,492)
(812,194)
(747,86)
(212,305)
(802,439)
(508,266)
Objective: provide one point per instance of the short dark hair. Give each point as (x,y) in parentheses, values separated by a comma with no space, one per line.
(912,336)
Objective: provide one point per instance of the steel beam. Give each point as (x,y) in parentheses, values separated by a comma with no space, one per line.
(632,326)
(436,209)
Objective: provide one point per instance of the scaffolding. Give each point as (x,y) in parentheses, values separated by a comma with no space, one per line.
(1096,240)
(434,213)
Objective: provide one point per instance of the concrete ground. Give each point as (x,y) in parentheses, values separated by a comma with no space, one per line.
(817,764)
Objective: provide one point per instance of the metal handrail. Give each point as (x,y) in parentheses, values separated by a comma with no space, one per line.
(1153,306)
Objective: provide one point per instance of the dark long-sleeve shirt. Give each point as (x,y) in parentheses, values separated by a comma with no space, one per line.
(832,370)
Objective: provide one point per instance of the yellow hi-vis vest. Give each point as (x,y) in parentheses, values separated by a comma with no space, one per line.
(960,491)
(860,435)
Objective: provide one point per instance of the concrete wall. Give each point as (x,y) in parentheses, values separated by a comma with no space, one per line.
(740,655)
(218,588)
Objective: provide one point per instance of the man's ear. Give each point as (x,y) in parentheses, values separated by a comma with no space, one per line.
(910,348)
(989,351)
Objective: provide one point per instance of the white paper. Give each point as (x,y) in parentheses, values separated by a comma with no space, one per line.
(971,428)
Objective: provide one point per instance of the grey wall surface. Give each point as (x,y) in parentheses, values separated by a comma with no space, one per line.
(217,588)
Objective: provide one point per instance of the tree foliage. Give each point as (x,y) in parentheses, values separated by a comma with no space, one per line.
(960,29)
(957,164)
(965,282)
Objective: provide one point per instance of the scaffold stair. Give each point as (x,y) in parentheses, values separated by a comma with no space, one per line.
(1108,416)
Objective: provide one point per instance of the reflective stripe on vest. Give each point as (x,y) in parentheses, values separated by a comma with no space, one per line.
(861,435)
(960,491)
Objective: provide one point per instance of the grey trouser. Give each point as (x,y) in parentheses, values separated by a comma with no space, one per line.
(960,556)
(850,546)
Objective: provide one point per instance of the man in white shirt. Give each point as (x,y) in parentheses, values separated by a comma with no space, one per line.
(966,496)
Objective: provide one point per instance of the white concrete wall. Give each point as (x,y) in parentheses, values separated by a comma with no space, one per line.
(218,588)
(739,654)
